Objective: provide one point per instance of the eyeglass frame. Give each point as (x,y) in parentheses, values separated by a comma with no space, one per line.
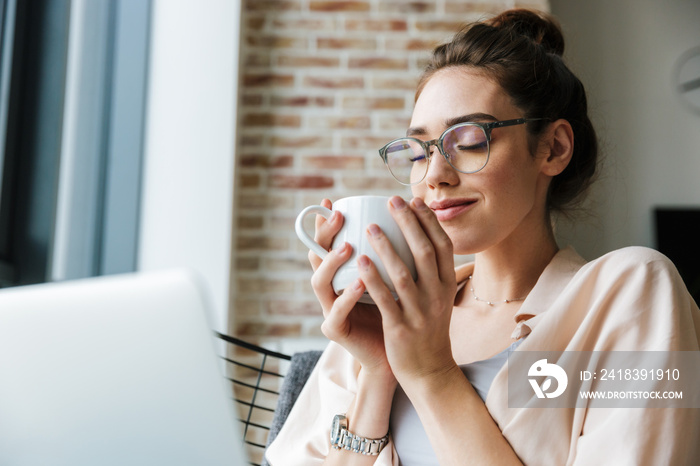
(485,127)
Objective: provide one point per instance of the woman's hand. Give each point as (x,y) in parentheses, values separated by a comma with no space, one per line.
(355,326)
(416,327)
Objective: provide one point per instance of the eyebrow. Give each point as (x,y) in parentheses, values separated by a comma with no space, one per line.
(475,117)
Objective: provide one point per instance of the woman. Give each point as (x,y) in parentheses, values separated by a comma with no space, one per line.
(498,140)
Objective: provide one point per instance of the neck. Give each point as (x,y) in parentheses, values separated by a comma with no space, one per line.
(510,269)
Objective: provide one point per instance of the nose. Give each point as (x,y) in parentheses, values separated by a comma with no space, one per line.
(440,172)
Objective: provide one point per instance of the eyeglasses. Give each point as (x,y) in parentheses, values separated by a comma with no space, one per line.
(465,146)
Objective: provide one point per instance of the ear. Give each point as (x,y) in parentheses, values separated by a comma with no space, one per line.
(558,147)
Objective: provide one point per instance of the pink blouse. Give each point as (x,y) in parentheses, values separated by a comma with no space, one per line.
(628,300)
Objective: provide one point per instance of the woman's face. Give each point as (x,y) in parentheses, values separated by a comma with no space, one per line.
(506,199)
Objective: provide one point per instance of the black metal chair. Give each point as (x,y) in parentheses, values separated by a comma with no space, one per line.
(263,393)
(256,374)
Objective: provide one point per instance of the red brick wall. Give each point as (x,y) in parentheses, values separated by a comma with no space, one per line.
(324,85)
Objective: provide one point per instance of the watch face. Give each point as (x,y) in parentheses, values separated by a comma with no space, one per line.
(339,422)
(335,430)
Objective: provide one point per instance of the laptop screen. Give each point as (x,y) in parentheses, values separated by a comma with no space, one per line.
(113,371)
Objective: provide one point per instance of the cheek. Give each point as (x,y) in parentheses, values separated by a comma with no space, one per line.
(499,180)
(512,185)
(418,190)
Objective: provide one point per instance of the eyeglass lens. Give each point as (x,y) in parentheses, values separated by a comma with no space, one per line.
(466,148)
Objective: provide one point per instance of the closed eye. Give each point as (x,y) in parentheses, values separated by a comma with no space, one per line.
(479,146)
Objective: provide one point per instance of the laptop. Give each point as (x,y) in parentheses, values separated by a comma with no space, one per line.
(118,370)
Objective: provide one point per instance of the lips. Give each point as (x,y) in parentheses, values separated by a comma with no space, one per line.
(447,209)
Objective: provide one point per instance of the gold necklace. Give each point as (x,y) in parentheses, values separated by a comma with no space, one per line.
(491,303)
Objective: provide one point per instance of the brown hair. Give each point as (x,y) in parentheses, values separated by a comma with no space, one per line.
(522,50)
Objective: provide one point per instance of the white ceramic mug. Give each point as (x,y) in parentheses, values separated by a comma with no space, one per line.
(359,212)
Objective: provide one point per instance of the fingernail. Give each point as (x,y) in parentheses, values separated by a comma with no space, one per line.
(363,262)
(357,284)
(397,202)
(342,250)
(374,230)
(419,204)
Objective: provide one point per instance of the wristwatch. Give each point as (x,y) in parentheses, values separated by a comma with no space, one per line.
(342,438)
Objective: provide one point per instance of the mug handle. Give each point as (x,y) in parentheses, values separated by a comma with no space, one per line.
(304,236)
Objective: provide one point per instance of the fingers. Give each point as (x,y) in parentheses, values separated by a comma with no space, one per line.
(325,231)
(381,295)
(321,281)
(429,244)
(334,327)
(422,248)
(396,269)
(320,219)
(442,244)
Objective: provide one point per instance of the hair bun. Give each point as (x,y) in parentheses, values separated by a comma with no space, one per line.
(539,27)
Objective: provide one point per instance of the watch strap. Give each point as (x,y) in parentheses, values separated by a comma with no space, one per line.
(357,444)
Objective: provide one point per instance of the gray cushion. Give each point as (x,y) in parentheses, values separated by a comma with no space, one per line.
(300,368)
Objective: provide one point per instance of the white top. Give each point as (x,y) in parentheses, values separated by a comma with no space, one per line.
(410,439)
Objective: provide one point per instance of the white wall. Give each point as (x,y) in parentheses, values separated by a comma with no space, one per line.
(625,52)
(190,140)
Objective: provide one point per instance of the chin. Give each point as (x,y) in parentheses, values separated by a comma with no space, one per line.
(467,241)
(467,251)
(462,246)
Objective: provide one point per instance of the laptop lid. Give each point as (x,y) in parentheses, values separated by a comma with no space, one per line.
(118,370)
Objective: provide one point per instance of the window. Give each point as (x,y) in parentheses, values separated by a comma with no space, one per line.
(71,134)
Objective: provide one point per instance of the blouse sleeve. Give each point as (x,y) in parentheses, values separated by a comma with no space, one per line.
(630,300)
(304,439)
(658,314)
